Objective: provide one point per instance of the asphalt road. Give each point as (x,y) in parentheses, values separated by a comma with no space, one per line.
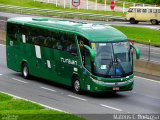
(141,24)
(145,98)
(150,53)
(154,51)
(83,5)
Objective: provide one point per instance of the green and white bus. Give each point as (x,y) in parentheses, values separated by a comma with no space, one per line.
(86,56)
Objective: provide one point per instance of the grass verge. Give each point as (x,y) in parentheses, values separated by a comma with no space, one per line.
(142,35)
(42,5)
(11,108)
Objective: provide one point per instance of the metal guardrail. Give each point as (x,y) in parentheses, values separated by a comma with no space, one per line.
(63,12)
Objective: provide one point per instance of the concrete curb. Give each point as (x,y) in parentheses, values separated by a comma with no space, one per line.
(155,45)
(147,69)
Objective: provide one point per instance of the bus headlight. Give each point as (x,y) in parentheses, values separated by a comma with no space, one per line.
(97,81)
(131,80)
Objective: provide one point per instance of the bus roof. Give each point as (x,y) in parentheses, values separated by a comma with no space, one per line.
(146,7)
(93,32)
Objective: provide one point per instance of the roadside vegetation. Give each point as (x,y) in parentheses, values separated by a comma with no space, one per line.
(16,109)
(136,1)
(42,5)
(145,1)
(142,35)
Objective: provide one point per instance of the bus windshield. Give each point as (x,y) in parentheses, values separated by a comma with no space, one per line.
(112,59)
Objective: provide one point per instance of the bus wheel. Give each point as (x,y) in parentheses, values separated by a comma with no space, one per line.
(76,85)
(25,71)
(154,22)
(133,21)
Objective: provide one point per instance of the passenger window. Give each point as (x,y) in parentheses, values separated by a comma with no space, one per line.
(149,10)
(134,10)
(12,31)
(53,40)
(154,11)
(60,41)
(130,10)
(159,11)
(24,33)
(70,44)
(32,36)
(139,10)
(144,10)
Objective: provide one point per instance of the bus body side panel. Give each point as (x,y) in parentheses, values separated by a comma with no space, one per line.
(47,65)
(29,57)
(13,53)
(66,65)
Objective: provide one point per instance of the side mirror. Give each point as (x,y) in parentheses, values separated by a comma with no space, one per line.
(137,51)
(92,54)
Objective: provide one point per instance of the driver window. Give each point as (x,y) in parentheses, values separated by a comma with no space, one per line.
(87,62)
(84,53)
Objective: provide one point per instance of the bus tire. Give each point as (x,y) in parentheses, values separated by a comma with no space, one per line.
(76,85)
(154,22)
(133,21)
(25,70)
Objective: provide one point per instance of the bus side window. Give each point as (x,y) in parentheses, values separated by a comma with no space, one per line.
(60,39)
(12,31)
(24,33)
(44,38)
(81,42)
(31,37)
(71,44)
(53,39)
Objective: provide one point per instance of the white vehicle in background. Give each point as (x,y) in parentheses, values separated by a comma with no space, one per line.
(142,14)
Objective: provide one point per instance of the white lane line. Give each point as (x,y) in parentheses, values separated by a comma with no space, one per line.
(77,97)
(48,89)
(2,45)
(1,74)
(19,80)
(110,107)
(148,79)
(46,106)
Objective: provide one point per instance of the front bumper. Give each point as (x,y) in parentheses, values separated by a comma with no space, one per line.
(98,86)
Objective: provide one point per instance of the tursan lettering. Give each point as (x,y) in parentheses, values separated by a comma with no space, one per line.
(68,61)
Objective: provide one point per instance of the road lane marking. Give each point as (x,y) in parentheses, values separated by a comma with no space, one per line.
(77,97)
(19,80)
(148,79)
(48,89)
(1,74)
(2,45)
(46,106)
(110,107)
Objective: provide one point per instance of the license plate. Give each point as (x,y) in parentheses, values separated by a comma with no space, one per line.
(116,88)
